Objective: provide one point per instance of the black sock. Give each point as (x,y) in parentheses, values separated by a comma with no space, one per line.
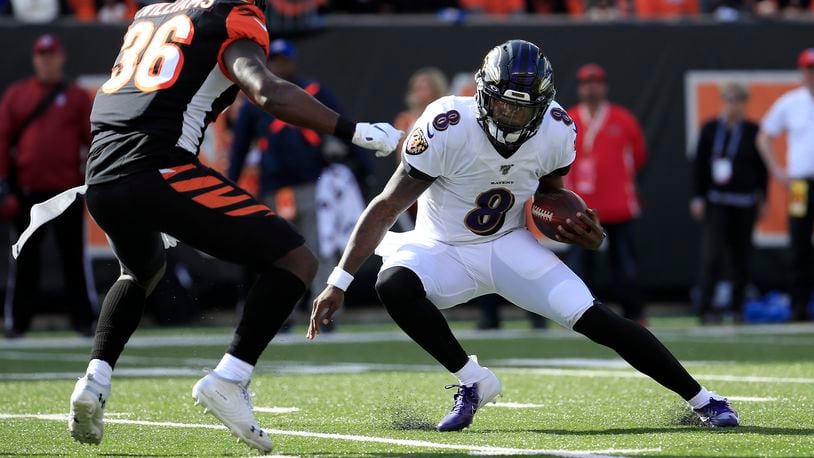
(403,295)
(639,347)
(270,301)
(118,319)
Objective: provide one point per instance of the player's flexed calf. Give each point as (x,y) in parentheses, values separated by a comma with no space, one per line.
(471,163)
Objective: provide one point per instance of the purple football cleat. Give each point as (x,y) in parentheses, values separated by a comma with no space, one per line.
(718,413)
(468,400)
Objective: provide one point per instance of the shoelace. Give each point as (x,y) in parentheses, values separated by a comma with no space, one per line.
(463,393)
(717,406)
(247,395)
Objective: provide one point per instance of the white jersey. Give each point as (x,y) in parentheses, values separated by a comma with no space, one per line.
(478,195)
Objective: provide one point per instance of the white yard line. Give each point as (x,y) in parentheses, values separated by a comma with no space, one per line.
(276,409)
(750,399)
(483,449)
(765,334)
(515,405)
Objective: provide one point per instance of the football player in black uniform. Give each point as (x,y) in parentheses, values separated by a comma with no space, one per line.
(181,64)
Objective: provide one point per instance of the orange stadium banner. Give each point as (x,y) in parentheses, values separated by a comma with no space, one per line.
(703,102)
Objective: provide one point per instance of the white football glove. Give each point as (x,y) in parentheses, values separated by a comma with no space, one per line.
(381,137)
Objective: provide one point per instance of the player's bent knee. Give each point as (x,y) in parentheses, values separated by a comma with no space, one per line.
(146,282)
(301,262)
(599,323)
(398,285)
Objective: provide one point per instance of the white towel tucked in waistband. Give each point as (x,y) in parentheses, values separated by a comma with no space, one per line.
(46,211)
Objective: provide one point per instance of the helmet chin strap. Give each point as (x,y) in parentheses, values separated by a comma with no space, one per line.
(500,136)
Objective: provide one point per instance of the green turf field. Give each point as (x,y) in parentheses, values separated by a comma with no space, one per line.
(369,391)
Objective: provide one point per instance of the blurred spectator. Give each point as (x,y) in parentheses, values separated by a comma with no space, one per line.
(595,10)
(789,9)
(44,128)
(665,9)
(292,158)
(83,10)
(498,7)
(610,151)
(793,114)
(424,87)
(35,11)
(729,188)
(391,6)
(113,11)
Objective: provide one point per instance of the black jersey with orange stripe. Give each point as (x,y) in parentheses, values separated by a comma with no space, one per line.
(167,84)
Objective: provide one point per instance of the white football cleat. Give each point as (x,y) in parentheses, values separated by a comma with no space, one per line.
(85,422)
(230,402)
(489,388)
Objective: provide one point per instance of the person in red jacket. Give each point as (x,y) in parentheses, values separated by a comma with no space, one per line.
(44,129)
(610,151)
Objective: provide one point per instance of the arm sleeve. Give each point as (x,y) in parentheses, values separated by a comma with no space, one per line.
(241,140)
(425,147)
(701,164)
(774,123)
(244,22)
(569,150)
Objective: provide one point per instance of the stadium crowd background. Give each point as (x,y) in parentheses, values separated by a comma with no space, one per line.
(196,283)
(112,11)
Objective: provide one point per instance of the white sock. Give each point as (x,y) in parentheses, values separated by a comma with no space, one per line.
(100,370)
(472,372)
(702,398)
(232,368)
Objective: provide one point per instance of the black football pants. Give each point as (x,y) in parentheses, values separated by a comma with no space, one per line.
(201,208)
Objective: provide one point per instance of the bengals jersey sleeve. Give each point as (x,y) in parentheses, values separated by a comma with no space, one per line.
(425,150)
(244,22)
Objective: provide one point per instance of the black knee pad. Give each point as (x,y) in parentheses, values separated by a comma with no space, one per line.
(399,285)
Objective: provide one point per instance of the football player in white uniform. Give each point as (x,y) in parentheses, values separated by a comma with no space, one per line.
(471,163)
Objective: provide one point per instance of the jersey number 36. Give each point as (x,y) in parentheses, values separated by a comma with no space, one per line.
(490,213)
(151,57)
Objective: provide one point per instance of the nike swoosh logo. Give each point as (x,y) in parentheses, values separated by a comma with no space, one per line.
(429,132)
(377,127)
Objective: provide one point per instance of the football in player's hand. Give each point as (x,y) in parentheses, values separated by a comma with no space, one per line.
(551,209)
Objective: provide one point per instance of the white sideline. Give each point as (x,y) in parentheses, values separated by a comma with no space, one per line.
(515,405)
(765,334)
(356,438)
(630,374)
(359,368)
(587,363)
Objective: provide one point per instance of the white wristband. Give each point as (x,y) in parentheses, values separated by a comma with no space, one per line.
(340,278)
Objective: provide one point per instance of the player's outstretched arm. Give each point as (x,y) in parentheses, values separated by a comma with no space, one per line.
(246,62)
(401,191)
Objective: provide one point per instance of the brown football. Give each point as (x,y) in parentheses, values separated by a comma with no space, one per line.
(551,209)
